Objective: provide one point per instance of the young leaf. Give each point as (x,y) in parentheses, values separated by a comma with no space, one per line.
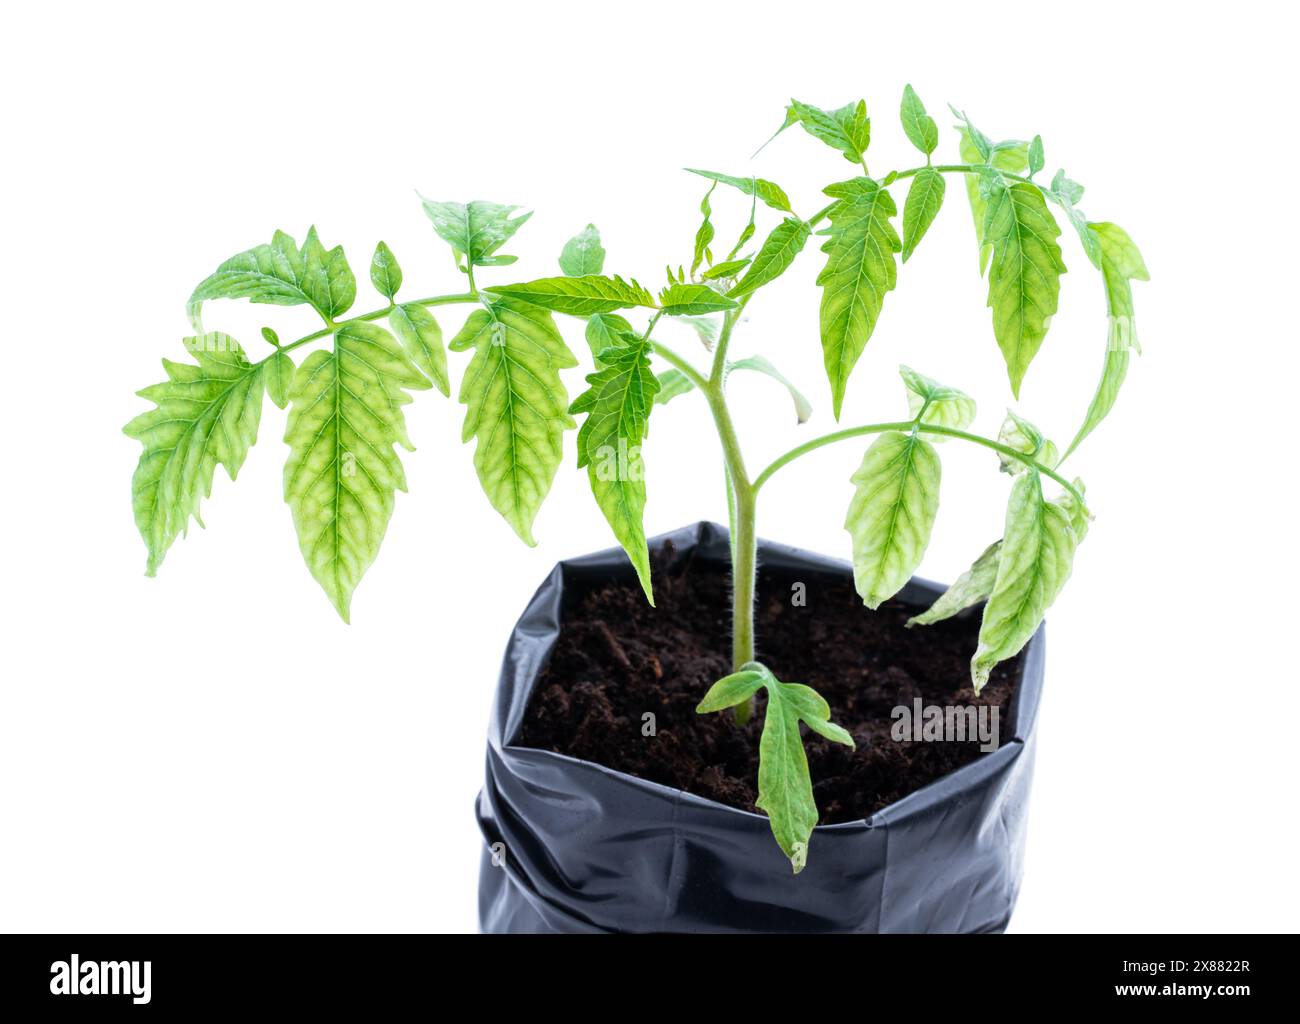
(583,255)
(917,124)
(385,273)
(281,274)
(768,191)
(475,230)
(924,198)
(892,513)
(207,414)
(859,271)
(693,300)
(342,473)
(1035,155)
(421,336)
(731,690)
(777,253)
(802,407)
(704,236)
(516,405)
(579,296)
(606,330)
(847,129)
(937,403)
(617,405)
(1037,553)
(1025,275)
(725,270)
(972,587)
(1120,263)
(671,384)
(277,375)
(1018,433)
(1013,159)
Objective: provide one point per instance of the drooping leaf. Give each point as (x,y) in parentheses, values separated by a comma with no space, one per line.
(207,415)
(972,587)
(1121,263)
(726,269)
(1011,159)
(706,328)
(859,270)
(1025,273)
(516,405)
(847,129)
(421,336)
(671,384)
(1037,554)
(617,404)
(385,273)
(583,255)
(924,198)
(693,300)
(768,192)
(579,296)
(937,403)
(919,126)
(342,474)
(281,274)
(704,236)
(1018,433)
(475,230)
(892,513)
(802,407)
(777,253)
(747,232)
(605,330)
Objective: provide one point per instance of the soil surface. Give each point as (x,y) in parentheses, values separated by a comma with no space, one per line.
(617,658)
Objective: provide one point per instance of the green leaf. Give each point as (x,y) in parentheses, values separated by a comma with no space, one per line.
(1012,160)
(777,253)
(579,296)
(606,330)
(1035,155)
(1070,191)
(421,336)
(517,406)
(281,274)
(385,273)
(917,124)
(1037,553)
(802,407)
(277,376)
(704,236)
(475,230)
(726,269)
(693,300)
(847,129)
(207,415)
(671,384)
(924,198)
(892,513)
(859,271)
(937,403)
(617,404)
(1018,433)
(731,690)
(583,255)
(1025,274)
(342,473)
(972,587)
(1121,263)
(768,192)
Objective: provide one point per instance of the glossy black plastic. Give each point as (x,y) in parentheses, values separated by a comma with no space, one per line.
(572,846)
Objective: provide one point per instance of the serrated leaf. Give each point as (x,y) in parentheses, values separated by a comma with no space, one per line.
(776,254)
(605,330)
(342,474)
(281,274)
(693,300)
(892,513)
(704,236)
(1012,160)
(971,587)
(919,126)
(1035,561)
(769,192)
(937,403)
(671,384)
(924,198)
(617,404)
(583,255)
(579,296)
(847,129)
(1025,273)
(421,336)
(859,270)
(475,230)
(206,415)
(802,407)
(726,269)
(516,405)
(1121,263)
(385,273)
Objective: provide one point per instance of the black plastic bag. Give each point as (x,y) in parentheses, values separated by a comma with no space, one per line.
(572,846)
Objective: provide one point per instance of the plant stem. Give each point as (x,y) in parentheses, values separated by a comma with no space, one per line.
(376,314)
(688,371)
(956,169)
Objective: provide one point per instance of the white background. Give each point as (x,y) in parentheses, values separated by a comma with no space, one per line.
(214,750)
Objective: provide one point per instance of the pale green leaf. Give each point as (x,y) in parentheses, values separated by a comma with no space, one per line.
(1035,155)
(972,587)
(385,273)
(919,126)
(726,269)
(693,300)
(924,198)
(579,296)
(277,375)
(605,330)
(937,403)
(704,236)
(892,513)
(802,407)
(342,473)
(421,336)
(847,129)
(859,270)
(1013,160)
(583,255)
(475,230)
(671,384)
(517,406)
(1018,433)
(767,191)
(730,690)
(777,253)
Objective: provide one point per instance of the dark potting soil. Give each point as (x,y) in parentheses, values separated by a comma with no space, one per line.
(617,659)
